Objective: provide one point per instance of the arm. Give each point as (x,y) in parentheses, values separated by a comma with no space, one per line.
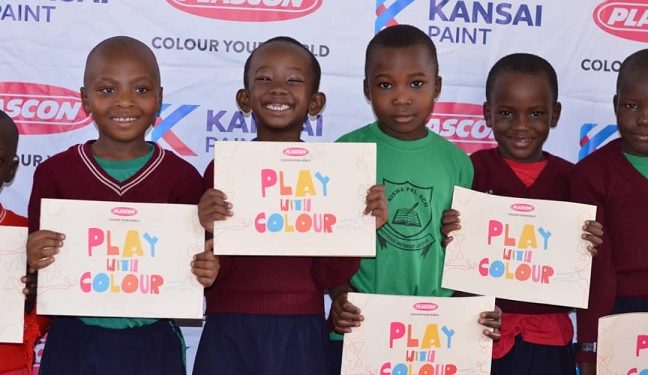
(603,280)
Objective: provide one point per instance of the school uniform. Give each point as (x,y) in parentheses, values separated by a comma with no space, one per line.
(88,345)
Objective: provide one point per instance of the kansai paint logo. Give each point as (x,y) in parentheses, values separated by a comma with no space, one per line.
(123,211)
(462,124)
(295,151)
(522,207)
(425,306)
(42,109)
(248,10)
(626,19)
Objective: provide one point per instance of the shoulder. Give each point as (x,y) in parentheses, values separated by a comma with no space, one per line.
(558,163)
(176,165)
(365,133)
(61,161)
(603,158)
(443,146)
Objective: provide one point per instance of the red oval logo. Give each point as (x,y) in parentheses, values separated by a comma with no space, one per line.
(462,124)
(124,211)
(295,151)
(248,10)
(425,306)
(522,207)
(626,19)
(42,109)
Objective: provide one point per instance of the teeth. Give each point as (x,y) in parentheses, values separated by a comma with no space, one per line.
(277,107)
(124,119)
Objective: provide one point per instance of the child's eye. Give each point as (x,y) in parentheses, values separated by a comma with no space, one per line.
(106,90)
(263,79)
(141,90)
(295,80)
(630,106)
(417,84)
(384,85)
(505,114)
(536,114)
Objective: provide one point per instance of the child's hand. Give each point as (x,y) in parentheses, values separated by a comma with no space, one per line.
(344,314)
(213,206)
(492,319)
(449,222)
(206,265)
(594,235)
(587,368)
(377,204)
(30,285)
(42,245)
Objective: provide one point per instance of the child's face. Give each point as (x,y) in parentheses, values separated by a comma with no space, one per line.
(401,85)
(631,109)
(8,162)
(280,92)
(521,111)
(123,94)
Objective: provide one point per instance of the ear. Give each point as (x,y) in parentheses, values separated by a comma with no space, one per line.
(365,88)
(556,114)
(84,99)
(438,81)
(486,109)
(615,102)
(318,100)
(12,170)
(243,100)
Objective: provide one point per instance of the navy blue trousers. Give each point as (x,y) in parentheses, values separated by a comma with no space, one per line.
(533,359)
(73,348)
(251,344)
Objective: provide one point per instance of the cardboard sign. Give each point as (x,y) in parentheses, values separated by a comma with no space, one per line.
(418,335)
(520,249)
(622,347)
(13,265)
(122,259)
(295,198)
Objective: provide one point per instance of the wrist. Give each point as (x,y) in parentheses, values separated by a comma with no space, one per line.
(585,347)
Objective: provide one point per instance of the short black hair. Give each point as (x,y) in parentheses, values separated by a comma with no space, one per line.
(524,63)
(401,36)
(315,66)
(9,130)
(632,63)
(121,43)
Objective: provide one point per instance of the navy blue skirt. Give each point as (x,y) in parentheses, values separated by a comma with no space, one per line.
(255,344)
(534,359)
(73,348)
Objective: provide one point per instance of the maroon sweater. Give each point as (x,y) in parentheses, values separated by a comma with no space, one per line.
(608,180)
(272,284)
(74,174)
(494,176)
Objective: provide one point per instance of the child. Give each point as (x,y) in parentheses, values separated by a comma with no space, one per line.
(122,92)
(17,359)
(614,178)
(521,107)
(265,315)
(419,169)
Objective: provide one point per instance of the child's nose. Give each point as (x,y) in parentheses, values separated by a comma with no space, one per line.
(642,120)
(402,96)
(124,98)
(278,88)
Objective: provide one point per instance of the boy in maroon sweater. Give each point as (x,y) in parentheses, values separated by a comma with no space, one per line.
(122,92)
(615,179)
(521,107)
(265,315)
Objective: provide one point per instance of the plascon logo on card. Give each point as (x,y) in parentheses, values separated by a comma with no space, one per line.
(295,151)
(42,109)
(248,10)
(522,207)
(124,211)
(462,124)
(425,306)
(626,19)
